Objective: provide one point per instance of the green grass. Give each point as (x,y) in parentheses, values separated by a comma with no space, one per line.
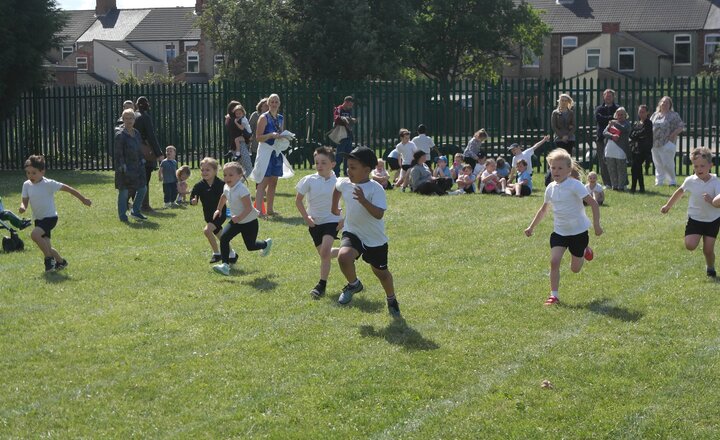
(139,338)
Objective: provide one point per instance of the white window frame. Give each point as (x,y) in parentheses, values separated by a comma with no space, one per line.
(168,47)
(707,60)
(628,51)
(570,46)
(218,60)
(528,54)
(192,57)
(66,51)
(79,61)
(588,55)
(675,45)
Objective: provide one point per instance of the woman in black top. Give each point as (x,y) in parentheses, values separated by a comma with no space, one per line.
(144,124)
(641,142)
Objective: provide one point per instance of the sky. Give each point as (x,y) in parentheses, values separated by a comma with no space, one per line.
(124,4)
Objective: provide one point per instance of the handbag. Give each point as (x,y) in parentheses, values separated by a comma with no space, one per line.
(337,134)
(147,152)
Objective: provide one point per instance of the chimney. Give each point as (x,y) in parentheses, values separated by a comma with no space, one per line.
(102,7)
(610,28)
(199,7)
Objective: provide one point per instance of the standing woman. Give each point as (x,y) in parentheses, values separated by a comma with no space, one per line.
(666,126)
(270,163)
(129,167)
(144,124)
(260,108)
(563,123)
(641,142)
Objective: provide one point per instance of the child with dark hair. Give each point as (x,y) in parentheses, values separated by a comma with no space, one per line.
(38,192)
(523,186)
(423,142)
(322,224)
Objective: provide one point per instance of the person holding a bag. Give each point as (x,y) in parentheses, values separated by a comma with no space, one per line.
(343,120)
(666,126)
(617,148)
(150,148)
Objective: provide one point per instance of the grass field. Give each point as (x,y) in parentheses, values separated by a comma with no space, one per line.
(139,338)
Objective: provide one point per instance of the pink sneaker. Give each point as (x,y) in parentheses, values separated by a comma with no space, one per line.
(589,254)
(552,300)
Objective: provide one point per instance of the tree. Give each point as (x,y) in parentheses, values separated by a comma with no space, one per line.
(28,30)
(248,33)
(453,39)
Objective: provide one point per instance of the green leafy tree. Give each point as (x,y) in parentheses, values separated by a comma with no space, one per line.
(248,33)
(28,30)
(454,39)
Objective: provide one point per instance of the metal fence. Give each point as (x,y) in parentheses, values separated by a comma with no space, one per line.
(74,126)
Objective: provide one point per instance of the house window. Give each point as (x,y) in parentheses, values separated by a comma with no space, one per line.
(712,42)
(592,59)
(568,44)
(218,62)
(626,59)
(169,52)
(682,49)
(529,59)
(67,51)
(193,62)
(82,64)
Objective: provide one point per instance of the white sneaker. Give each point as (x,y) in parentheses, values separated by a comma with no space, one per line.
(265,252)
(223,269)
(167,205)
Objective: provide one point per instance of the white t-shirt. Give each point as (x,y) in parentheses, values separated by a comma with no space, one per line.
(527,155)
(358,220)
(698,208)
(41,197)
(597,190)
(568,210)
(406,151)
(479,169)
(234,198)
(424,143)
(318,192)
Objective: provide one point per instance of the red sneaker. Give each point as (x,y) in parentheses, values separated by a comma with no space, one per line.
(588,254)
(552,300)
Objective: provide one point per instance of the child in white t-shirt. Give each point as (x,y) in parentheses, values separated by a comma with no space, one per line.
(38,193)
(406,150)
(364,228)
(570,224)
(322,224)
(703,213)
(519,154)
(243,220)
(380,175)
(596,190)
(423,142)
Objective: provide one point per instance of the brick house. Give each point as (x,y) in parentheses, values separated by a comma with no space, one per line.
(613,38)
(99,44)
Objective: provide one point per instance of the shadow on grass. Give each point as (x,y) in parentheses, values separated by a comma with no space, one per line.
(398,332)
(143,225)
(262,283)
(366,305)
(56,277)
(293,221)
(162,213)
(603,307)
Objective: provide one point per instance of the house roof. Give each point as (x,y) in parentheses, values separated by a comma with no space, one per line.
(127,51)
(77,23)
(640,42)
(115,25)
(587,16)
(163,24)
(91,79)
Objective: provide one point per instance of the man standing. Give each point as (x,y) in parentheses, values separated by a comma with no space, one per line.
(603,114)
(342,115)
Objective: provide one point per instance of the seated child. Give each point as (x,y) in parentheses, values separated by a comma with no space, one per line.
(490,183)
(183,174)
(523,187)
(480,164)
(503,168)
(9,216)
(442,170)
(596,190)
(466,180)
(456,169)
(380,175)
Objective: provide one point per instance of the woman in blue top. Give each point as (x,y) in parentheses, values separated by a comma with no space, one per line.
(270,163)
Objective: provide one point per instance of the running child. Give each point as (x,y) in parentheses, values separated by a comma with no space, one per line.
(208,191)
(570,223)
(322,224)
(243,220)
(168,177)
(364,228)
(703,213)
(38,192)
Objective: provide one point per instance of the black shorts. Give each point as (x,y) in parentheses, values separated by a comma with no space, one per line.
(706,229)
(218,222)
(377,256)
(392,163)
(406,167)
(576,243)
(319,231)
(47,224)
(525,190)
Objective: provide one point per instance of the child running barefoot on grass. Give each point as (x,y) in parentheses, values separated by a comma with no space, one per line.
(703,213)
(208,191)
(244,218)
(38,192)
(364,229)
(570,230)
(322,224)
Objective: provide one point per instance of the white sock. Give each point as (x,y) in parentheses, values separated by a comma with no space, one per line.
(232,253)
(216,253)
(554,293)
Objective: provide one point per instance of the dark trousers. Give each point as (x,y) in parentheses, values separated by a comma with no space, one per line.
(439,187)
(343,149)
(637,169)
(568,146)
(249,233)
(170,191)
(146,200)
